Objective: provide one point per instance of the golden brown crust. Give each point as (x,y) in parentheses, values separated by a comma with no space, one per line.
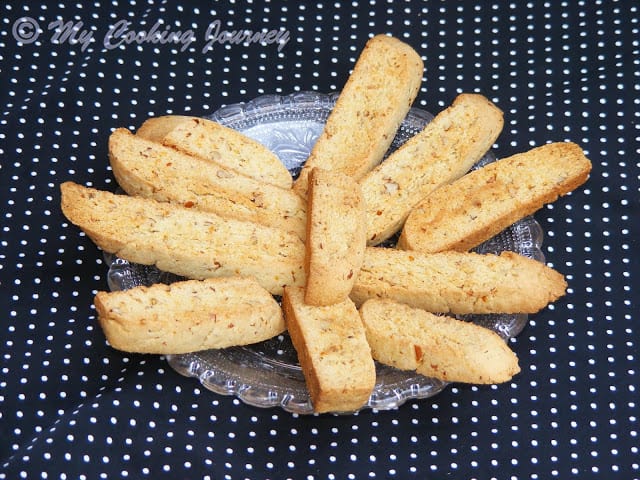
(375,99)
(436,346)
(465,213)
(222,145)
(151,170)
(443,151)
(183,241)
(157,128)
(336,237)
(332,350)
(189,316)
(458,283)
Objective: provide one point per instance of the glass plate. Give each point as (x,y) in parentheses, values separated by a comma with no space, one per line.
(268,374)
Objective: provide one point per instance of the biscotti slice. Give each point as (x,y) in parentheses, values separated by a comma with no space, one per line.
(457,282)
(474,208)
(375,99)
(151,170)
(436,346)
(332,350)
(189,316)
(336,236)
(224,146)
(443,151)
(185,241)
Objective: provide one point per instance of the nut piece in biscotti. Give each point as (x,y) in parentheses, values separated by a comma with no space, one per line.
(148,169)
(185,241)
(479,205)
(336,236)
(375,99)
(457,282)
(332,350)
(189,316)
(214,142)
(436,346)
(443,151)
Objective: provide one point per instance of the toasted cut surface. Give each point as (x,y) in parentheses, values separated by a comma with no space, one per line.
(189,316)
(336,236)
(332,350)
(184,241)
(482,203)
(214,142)
(443,151)
(375,99)
(151,170)
(436,346)
(457,282)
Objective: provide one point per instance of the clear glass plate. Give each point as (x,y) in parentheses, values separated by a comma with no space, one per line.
(268,374)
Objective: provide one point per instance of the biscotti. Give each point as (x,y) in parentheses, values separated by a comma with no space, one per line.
(222,145)
(436,346)
(336,236)
(375,99)
(332,350)
(189,316)
(184,241)
(151,170)
(474,208)
(443,151)
(457,283)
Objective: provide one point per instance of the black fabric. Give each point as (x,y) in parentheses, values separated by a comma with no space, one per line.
(72,407)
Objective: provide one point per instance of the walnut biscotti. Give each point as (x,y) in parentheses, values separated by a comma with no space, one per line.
(375,99)
(436,346)
(458,283)
(443,151)
(189,316)
(222,145)
(332,350)
(184,241)
(474,208)
(151,170)
(336,236)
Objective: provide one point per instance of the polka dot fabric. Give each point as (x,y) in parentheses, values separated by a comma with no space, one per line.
(72,407)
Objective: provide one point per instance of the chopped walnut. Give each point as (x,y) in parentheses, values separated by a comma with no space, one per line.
(390,186)
(224,174)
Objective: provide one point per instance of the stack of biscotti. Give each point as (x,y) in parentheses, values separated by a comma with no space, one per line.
(442,152)
(150,169)
(211,205)
(220,145)
(206,203)
(185,241)
(322,320)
